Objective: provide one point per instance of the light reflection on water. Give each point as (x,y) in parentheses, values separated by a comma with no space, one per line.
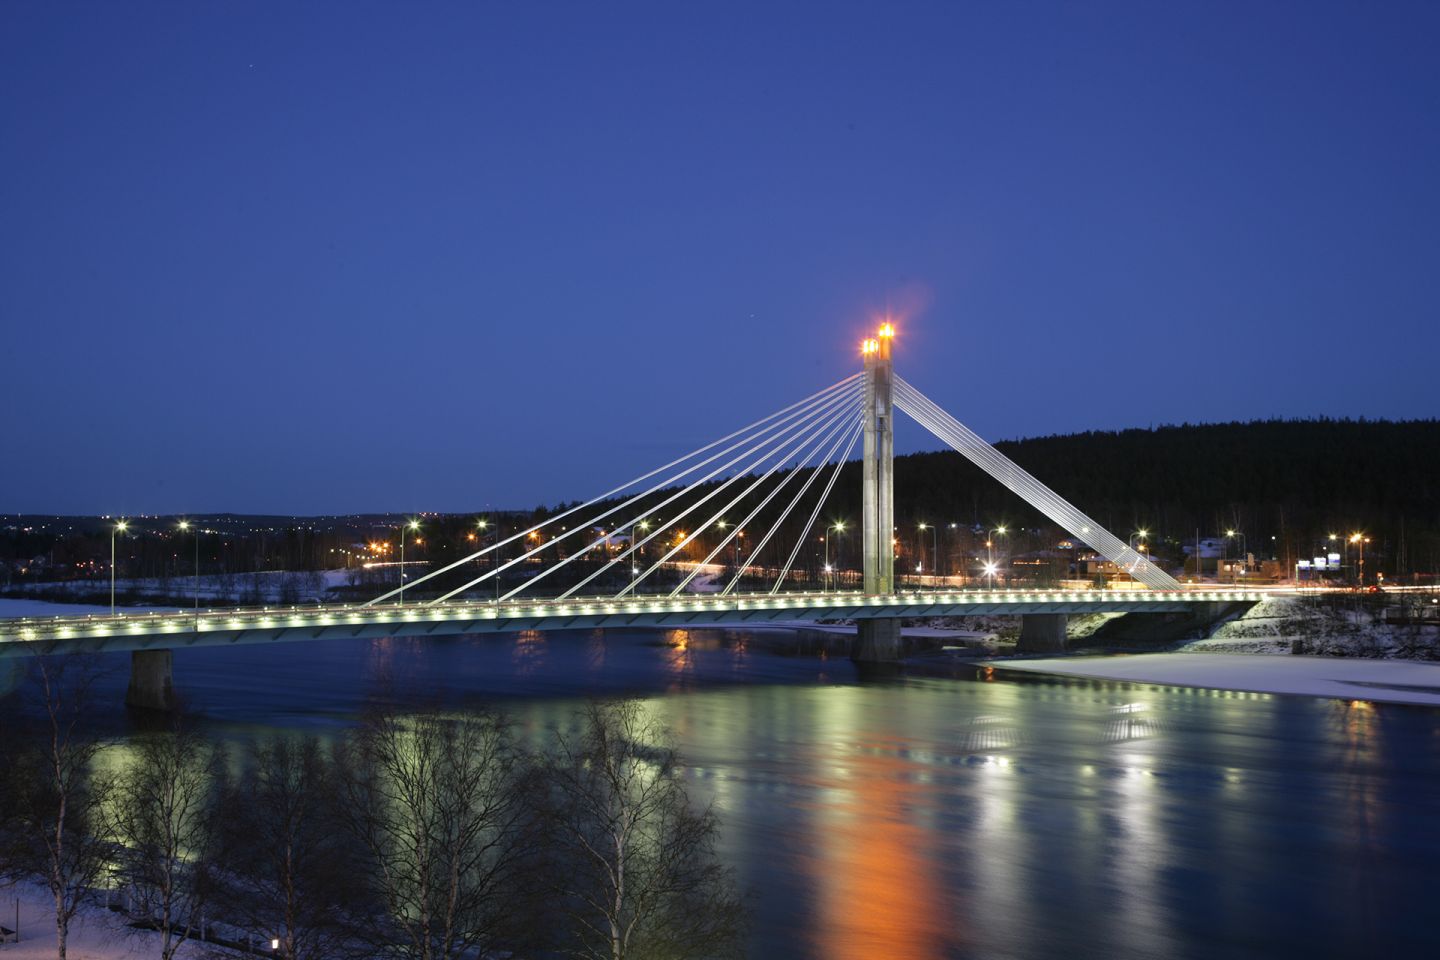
(940,816)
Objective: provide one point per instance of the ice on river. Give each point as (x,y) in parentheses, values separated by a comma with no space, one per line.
(1387,681)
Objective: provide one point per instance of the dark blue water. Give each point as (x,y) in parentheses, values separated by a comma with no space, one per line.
(955,815)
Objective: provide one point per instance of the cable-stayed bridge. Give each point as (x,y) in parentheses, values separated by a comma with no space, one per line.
(574,572)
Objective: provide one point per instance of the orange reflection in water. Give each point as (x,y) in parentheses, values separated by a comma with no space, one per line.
(879,896)
(678,656)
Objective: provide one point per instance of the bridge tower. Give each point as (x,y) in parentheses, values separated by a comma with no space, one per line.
(878,641)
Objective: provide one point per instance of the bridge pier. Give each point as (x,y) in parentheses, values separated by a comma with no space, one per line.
(1042,633)
(151,687)
(877,641)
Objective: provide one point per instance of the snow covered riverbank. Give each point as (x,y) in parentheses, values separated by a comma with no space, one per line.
(1403,626)
(95,934)
(1383,681)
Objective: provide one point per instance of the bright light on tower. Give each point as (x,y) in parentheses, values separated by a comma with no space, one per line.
(887,330)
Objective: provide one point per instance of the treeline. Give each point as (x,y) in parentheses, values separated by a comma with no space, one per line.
(1270,477)
(428,836)
(1285,485)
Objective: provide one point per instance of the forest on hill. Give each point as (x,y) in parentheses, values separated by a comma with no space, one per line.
(1270,477)
(1284,486)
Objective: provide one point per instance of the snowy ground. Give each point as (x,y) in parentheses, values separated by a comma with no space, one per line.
(96,934)
(266,585)
(1385,681)
(16,607)
(1336,627)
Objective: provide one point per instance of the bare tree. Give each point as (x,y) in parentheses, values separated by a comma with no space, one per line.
(636,874)
(289,873)
(437,804)
(11,865)
(59,801)
(165,817)
(316,586)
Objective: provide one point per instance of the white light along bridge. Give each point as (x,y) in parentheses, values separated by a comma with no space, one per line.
(148,631)
(786,462)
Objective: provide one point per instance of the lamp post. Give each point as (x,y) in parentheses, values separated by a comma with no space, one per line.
(1141,534)
(481,525)
(839,527)
(934,548)
(990,548)
(195,591)
(410,525)
(1244,545)
(120,527)
(990,569)
(1359,539)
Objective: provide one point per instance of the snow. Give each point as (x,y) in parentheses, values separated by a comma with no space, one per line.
(268,584)
(15,607)
(95,934)
(1381,681)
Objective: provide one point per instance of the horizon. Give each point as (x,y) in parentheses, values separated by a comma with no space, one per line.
(559,503)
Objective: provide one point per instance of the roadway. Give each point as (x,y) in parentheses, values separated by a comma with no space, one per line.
(27,636)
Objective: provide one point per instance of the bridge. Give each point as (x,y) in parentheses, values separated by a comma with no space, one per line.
(743,473)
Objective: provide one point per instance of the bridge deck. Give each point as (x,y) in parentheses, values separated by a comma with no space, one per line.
(27,636)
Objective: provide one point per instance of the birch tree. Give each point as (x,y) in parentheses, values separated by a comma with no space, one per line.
(58,831)
(165,818)
(290,873)
(436,803)
(635,870)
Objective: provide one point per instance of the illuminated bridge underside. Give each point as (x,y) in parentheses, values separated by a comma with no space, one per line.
(27,637)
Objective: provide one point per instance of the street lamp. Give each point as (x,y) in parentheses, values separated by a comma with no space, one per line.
(934,548)
(1244,545)
(990,569)
(120,527)
(1142,534)
(411,525)
(1359,539)
(839,527)
(990,544)
(186,525)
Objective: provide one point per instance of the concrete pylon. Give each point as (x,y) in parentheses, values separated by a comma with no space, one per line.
(878,641)
(151,687)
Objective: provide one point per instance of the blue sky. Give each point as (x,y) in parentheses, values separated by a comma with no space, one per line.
(341,257)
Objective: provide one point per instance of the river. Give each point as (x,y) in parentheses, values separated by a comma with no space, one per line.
(953,813)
